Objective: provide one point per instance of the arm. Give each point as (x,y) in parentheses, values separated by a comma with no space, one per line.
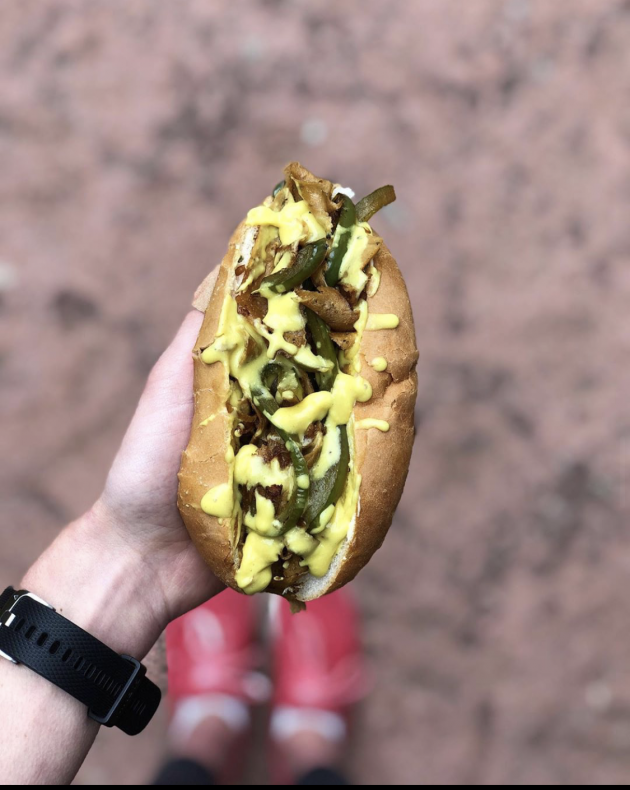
(122,572)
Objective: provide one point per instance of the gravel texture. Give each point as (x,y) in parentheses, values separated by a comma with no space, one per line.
(134,135)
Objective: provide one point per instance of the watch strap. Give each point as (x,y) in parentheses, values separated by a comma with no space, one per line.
(113,687)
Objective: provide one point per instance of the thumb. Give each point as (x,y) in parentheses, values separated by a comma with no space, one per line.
(144,474)
(170,383)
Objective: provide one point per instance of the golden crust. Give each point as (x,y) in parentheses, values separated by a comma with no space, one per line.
(394,401)
(204,464)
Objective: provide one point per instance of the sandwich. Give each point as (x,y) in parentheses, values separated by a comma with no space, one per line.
(305,388)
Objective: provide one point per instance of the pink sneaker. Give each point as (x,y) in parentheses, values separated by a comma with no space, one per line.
(212,659)
(319,673)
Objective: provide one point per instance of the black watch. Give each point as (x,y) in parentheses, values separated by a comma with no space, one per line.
(114,688)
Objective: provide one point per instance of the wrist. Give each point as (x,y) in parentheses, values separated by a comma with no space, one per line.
(91,577)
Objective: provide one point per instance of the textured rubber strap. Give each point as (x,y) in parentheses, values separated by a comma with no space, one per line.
(113,687)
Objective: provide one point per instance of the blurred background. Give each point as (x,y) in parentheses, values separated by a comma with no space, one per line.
(135,134)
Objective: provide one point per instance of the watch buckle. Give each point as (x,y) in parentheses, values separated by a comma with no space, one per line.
(7,615)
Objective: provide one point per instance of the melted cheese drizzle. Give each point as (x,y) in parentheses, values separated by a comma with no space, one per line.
(300,542)
(283,261)
(347,391)
(263,544)
(219,501)
(259,554)
(382,321)
(250,470)
(351,272)
(294,221)
(297,419)
(351,358)
(379,364)
(284,315)
(380,425)
(264,521)
(257,263)
(339,518)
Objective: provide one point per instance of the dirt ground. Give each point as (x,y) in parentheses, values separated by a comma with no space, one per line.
(135,134)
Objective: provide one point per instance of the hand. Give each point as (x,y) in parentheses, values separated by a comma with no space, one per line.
(132,549)
(122,572)
(140,498)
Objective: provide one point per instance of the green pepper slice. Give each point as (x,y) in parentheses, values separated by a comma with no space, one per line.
(308,261)
(324,347)
(281,377)
(347,220)
(265,400)
(322,493)
(327,491)
(280,185)
(299,500)
(375,201)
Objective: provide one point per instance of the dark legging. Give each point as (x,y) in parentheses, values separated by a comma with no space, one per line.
(188,772)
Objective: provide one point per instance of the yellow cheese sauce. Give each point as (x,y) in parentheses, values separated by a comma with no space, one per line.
(250,470)
(311,361)
(264,521)
(219,501)
(345,394)
(347,391)
(230,344)
(282,261)
(233,346)
(294,221)
(378,321)
(351,272)
(284,315)
(331,452)
(379,364)
(300,542)
(351,359)
(259,554)
(297,419)
(324,519)
(329,540)
(380,425)
(257,263)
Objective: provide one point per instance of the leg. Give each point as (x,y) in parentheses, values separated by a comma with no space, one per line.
(212,684)
(319,675)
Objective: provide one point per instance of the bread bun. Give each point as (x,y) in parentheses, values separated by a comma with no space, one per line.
(381,458)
